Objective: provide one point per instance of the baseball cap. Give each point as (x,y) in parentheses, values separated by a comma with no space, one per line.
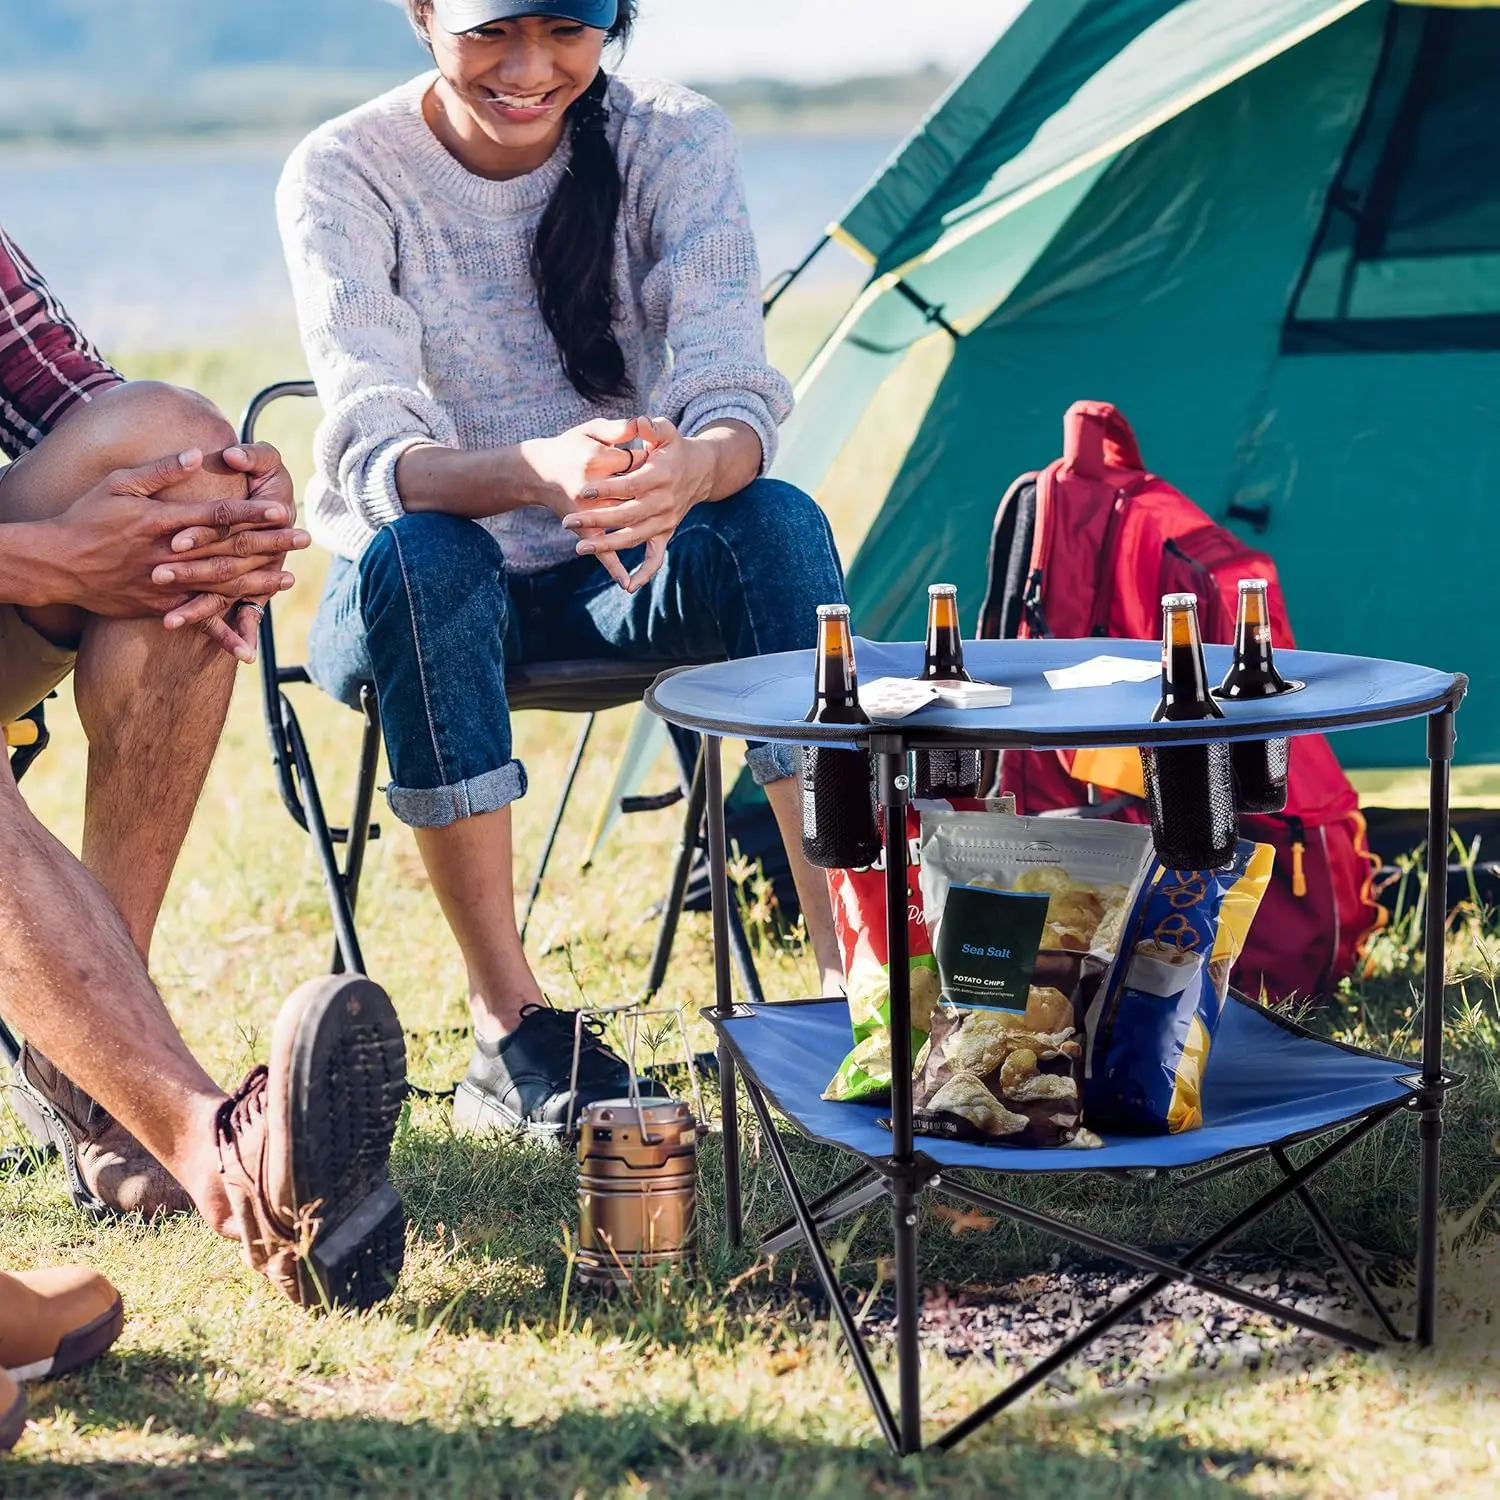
(465,15)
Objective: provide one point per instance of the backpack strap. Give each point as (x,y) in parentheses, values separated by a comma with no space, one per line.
(1011,541)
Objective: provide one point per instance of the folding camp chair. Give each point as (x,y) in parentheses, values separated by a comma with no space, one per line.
(1271,1087)
(585,688)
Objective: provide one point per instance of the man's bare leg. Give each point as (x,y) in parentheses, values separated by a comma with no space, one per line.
(295,1167)
(72,981)
(152,702)
(785,797)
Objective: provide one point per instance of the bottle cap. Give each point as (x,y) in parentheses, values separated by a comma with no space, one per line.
(833,611)
(1179,601)
(1254,585)
(941,588)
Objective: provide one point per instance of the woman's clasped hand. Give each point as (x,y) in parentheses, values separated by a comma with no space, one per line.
(636,496)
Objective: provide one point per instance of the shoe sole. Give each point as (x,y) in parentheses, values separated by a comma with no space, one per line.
(77,1348)
(13,1423)
(477,1113)
(345,1056)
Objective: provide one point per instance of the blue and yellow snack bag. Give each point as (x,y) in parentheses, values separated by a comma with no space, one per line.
(1025,917)
(1150,1030)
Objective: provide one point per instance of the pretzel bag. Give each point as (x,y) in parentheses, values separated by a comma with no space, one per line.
(1025,916)
(1151,1029)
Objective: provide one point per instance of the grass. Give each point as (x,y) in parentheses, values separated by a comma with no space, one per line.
(490,1373)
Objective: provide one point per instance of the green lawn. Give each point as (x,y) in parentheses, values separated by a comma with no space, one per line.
(487,1374)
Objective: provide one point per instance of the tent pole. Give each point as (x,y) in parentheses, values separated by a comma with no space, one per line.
(781,283)
(1440,740)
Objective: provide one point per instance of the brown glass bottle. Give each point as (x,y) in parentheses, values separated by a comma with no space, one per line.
(944,773)
(839,830)
(1260,766)
(1190,788)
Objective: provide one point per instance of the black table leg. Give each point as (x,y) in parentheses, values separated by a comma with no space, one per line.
(895,791)
(718,887)
(1440,739)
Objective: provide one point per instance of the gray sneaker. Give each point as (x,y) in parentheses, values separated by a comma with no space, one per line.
(525,1080)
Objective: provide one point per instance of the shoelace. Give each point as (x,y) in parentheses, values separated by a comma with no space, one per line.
(592,1038)
(239,1112)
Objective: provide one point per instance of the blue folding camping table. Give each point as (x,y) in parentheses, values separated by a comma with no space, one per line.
(1270,1084)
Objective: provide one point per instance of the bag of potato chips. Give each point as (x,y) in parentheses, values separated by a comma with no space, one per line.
(1150,1030)
(1025,916)
(858,898)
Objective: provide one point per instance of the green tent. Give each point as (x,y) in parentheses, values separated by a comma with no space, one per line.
(1268,230)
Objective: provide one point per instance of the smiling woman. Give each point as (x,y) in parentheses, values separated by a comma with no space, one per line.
(529,295)
(507,89)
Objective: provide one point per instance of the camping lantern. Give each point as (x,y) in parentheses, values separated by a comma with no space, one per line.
(637,1188)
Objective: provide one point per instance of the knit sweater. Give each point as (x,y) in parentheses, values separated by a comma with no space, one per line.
(421,322)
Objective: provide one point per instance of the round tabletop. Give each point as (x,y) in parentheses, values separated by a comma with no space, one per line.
(766,698)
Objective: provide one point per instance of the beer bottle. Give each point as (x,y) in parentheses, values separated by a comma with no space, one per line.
(1190,788)
(945,773)
(839,830)
(1260,766)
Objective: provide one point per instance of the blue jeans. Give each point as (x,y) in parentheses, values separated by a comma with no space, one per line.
(430,616)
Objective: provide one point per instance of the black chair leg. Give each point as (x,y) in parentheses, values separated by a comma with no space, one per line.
(666,934)
(348,959)
(744,960)
(671,914)
(557,817)
(359,821)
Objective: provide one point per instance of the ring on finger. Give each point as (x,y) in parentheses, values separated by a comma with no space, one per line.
(260,612)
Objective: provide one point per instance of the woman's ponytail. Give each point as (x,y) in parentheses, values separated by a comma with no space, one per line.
(572,257)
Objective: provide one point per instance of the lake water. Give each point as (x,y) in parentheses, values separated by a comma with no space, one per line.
(164,246)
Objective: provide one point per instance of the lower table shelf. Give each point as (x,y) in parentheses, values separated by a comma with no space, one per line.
(1268,1082)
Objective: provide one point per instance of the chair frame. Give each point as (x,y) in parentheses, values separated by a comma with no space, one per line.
(907,1174)
(297,784)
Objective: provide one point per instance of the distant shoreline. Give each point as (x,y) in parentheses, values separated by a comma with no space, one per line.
(228,106)
(851,125)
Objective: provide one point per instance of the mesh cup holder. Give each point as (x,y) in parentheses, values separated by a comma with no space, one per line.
(1190,790)
(1260,771)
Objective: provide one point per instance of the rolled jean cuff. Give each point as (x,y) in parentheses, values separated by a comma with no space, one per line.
(770,763)
(441,806)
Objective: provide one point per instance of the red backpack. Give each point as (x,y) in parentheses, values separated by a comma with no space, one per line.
(1087,548)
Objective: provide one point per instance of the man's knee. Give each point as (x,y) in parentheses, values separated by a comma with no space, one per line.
(123,428)
(144,420)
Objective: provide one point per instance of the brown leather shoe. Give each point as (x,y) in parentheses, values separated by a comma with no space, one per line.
(304,1145)
(12,1413)
(105,1163)
(54,1321)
